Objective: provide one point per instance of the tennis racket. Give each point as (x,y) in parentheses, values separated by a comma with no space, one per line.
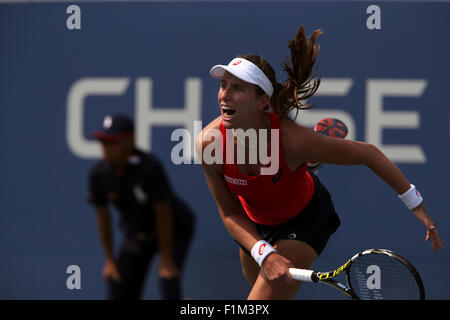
(373,274)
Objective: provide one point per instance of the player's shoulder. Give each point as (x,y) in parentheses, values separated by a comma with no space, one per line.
(290,124)
(294,134)
(213,125)
(292,128)
(204,138)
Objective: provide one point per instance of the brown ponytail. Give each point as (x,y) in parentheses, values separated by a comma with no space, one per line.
(302,80)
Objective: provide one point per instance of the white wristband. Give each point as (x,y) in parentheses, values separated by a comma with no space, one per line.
(261,250)
(411,198)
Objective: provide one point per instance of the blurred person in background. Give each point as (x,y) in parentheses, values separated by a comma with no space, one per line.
(152,217)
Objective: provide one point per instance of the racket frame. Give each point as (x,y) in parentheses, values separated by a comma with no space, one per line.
(328,277)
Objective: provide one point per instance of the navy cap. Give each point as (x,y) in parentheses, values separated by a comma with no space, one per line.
(114,127)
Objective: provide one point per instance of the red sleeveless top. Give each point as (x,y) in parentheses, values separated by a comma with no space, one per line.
(269,199)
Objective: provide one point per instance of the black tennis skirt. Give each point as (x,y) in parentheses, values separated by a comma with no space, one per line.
(313,225)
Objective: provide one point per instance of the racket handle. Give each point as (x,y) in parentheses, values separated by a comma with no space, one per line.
(302,274)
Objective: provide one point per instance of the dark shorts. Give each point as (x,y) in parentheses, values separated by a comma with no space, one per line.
(314,224)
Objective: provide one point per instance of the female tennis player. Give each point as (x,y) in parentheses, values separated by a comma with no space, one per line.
(283,220)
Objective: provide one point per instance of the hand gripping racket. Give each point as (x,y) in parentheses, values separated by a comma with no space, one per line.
(373,274)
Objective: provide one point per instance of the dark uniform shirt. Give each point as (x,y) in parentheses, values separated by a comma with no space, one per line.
(143,184)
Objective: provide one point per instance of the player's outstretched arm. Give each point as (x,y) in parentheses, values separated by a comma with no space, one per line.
(311,146)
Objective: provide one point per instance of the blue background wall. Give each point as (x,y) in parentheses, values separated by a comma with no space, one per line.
(45,222)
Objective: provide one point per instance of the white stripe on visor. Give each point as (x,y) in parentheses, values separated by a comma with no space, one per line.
(246,71)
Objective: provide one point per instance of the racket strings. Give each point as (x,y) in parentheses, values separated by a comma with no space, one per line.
(380,276)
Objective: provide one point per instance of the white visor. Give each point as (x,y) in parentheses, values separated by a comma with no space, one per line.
(246,71)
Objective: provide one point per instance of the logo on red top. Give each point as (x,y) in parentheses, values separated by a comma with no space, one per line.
(261,249)
(237,62)
(240,182)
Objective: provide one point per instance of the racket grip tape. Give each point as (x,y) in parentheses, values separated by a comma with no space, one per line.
(303,275)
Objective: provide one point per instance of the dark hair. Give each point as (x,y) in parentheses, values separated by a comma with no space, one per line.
(302,80)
